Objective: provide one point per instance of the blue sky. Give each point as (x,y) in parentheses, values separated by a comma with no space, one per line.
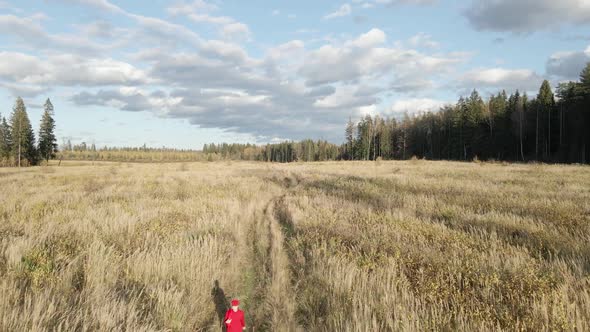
(184,73)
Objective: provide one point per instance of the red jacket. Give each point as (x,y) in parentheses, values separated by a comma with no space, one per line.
(237,320)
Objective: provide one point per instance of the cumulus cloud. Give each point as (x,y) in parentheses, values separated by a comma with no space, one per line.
(24,90)
(19,66)
(372,38)
(567,65)
(366,57)
(218,85)
(346,97)
(286,50)
(292,90)
(344,10)
(235,31)
(416,105)
(126,98)
(67,70)
(310,93)
(199,11)
(29,32)
(501,78)
(226,108)
(526,15)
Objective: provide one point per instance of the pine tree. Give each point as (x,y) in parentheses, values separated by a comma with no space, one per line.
(47,140)
(23,138)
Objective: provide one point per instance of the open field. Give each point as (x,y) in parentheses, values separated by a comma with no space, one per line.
(335,246)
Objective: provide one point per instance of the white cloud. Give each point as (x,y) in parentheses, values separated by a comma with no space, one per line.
(199,12)
(286,50)
(19,67)
(345,97)
(30,33)
(366,57)
(498,75)
(293,90)
(367,110)
(67,70)
(415,105)
(235,31)
(501,78)
(24,90)
(344,10)
(370,39)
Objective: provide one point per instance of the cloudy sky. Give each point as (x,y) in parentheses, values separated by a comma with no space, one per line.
(180,74)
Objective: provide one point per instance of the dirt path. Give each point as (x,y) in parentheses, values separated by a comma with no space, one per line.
(273,303)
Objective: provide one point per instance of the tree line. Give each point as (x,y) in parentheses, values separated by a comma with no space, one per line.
(18,146)
(83,151)
(305,150)
(511,127)
(547,127)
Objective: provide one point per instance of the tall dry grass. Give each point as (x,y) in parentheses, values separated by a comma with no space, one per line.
(335,246)
(418,246)
(123,247)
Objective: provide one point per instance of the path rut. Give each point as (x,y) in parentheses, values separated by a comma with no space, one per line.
(274,304)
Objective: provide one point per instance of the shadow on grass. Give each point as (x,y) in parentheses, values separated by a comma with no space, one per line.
(220,301)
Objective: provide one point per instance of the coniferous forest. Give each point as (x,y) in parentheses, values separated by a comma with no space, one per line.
(512,127)
(553,126)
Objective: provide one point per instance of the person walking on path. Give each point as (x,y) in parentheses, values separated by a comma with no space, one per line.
(234,318)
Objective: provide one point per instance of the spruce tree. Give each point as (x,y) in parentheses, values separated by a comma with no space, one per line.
(5,140)
(47,140)
(23,138)
(545,102)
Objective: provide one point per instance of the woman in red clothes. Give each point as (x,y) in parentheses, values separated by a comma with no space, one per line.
(234,318)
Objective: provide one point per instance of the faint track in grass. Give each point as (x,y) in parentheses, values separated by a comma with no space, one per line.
(273,300)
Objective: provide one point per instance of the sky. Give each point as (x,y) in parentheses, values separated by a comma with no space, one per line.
(184,73)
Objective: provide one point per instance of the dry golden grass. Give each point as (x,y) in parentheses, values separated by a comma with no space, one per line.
(335,246)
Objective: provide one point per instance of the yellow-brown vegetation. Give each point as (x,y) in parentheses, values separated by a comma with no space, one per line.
(334,246)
